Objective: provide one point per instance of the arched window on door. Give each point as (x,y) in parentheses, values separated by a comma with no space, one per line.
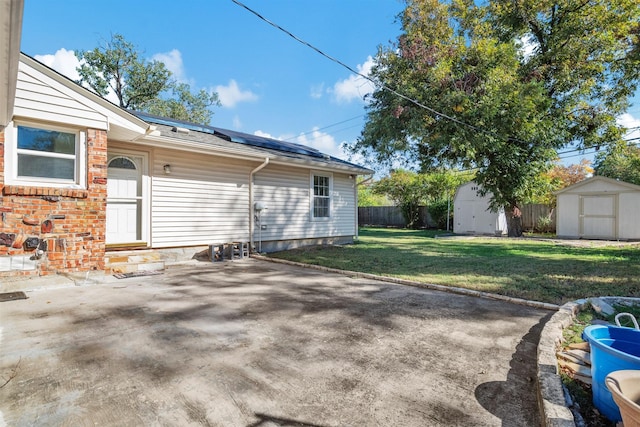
(122,163)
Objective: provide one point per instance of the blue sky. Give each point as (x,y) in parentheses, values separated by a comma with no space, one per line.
(269,84)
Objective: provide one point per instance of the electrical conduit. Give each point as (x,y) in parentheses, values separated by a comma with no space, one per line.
(251,214)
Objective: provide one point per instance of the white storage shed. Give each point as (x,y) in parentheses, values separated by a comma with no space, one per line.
(599,208)
(472,214)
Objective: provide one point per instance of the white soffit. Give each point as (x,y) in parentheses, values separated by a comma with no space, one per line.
(120,124)
(10,33)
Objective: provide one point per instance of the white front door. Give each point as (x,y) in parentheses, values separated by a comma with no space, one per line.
(124,199)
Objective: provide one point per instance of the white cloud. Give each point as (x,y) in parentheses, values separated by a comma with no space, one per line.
(63,61)
(231,94)
(173,61)
(321,141)
(66,63)
(263,134)
(317,90)
(630,122)
(354,87)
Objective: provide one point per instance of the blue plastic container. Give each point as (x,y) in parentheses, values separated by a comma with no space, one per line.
(612,349)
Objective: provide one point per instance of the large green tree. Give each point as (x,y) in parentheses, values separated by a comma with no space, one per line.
(557,178)
(620,161)
(183,104)
(367,198)
(501,87)
(141,84)
(410,190)
(406,190)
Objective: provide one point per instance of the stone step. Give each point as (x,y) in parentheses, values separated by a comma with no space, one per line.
(131,267)
(132,261)
(132,256)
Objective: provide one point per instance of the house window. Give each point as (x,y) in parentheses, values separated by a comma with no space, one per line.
(321,200)
(45,156)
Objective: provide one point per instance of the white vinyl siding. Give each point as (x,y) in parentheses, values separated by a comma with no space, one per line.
(629,226)
(41,98)
(598,208)
(205,199)
(473,214)
(286,192)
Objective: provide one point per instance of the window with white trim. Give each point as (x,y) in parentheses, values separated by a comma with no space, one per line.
(321,196)
(44,156)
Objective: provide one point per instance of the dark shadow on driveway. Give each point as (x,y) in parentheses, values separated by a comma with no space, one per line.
(254,344)
(268,421)
(496,396)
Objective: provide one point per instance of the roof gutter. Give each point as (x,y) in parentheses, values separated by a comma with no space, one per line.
(251,213)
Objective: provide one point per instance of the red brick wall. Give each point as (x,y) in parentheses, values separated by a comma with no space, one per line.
(69,223)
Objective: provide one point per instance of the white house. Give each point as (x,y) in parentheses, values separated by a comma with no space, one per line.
(599,208)
(472,214)
(82,178)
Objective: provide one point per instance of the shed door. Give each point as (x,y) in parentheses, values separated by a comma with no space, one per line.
(598,216)
(465,218)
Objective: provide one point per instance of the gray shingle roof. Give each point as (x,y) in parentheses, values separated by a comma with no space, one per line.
(252,144)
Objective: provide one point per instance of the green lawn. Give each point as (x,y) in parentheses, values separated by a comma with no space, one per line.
(539,270)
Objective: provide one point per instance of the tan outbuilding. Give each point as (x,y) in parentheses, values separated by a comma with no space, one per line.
(599,208)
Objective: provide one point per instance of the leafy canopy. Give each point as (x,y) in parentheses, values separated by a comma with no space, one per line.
(140,84)
(410,190)
(366,196)
(620,161)
(557,178)
(514,82)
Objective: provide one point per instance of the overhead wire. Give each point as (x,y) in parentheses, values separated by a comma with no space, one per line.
(376,83)
(326,127)
(383,86)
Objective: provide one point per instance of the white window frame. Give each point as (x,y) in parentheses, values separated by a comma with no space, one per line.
(312,196)
(12,151)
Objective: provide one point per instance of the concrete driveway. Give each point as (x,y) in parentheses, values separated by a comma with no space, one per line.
(251,343)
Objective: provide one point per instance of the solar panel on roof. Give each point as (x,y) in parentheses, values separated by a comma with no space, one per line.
(233,136)
(271,143)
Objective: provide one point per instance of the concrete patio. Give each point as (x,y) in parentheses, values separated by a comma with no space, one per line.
(251,343)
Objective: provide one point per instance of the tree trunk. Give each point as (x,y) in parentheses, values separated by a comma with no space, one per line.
(514,221)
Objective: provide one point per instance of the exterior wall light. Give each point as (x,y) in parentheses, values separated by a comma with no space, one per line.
(167,169)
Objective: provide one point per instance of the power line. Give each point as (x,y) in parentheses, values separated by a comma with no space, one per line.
(384,86)
(326,127)
(630,142)
(378,84)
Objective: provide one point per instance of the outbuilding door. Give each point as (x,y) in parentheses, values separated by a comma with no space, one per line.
(124,199)
(598,216)
(465,217)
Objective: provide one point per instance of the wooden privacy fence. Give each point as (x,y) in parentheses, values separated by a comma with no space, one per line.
(531,214)
(384,216)
(391,216)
